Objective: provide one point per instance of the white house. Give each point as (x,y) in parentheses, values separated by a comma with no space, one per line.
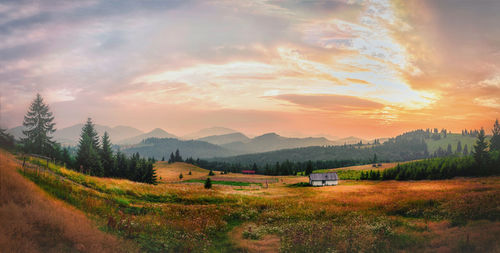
(323,179)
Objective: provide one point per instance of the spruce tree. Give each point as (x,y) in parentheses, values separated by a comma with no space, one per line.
(309,168)
(106,154)
(121,165)
(208,183)
(495,139)
(466,150)
(449,150)
(66,158)
(88,150)
(177,157)
(172,158)
(39,126)
(459,147)
(480,152)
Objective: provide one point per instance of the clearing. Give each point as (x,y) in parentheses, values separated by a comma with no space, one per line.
(453,215)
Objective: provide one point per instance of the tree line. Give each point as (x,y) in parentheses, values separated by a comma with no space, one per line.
(276,169)
(484,161)
(94,155)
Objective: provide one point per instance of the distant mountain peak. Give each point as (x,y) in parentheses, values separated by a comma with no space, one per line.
(225,138)
(155,133)
(267,135)
(211,131)
(158,130)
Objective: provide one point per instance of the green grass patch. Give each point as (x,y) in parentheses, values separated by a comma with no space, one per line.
(301,184)
(452,139)
(344,174)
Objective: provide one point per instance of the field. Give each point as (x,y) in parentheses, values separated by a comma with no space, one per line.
(457,215)
(170,172)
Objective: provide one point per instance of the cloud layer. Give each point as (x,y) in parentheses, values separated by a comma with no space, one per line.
(368,68)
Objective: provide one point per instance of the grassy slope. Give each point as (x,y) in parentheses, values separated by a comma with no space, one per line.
(32,221)
(354,172)
(170,172)
(433,145)
(354,216)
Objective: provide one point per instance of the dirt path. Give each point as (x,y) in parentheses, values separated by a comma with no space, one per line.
(32,221)
(268,243)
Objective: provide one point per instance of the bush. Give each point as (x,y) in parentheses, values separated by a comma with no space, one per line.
(208,184)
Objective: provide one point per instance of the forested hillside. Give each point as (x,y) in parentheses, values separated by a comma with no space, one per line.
(162,147)
(412,145)
(402,148)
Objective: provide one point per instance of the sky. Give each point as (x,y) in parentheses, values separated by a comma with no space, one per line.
(341,68)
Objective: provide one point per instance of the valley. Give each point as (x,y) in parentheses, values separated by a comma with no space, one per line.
(180,215)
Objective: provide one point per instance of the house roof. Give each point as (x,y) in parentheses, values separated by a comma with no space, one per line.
(324,176)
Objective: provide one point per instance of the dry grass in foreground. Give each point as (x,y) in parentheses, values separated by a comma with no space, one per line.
(34,222)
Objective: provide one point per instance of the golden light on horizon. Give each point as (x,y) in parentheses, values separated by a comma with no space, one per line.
(384,66)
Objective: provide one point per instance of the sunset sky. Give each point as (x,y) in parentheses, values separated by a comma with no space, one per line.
(342,67)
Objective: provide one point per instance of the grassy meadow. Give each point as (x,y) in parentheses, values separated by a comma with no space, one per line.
(453,139)
(254,213)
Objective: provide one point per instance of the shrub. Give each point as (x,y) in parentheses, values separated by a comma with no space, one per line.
(208,183)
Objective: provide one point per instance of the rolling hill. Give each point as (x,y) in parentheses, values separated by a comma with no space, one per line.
(158,148)
(70,135)
(452,139)
(170,172)
(155,133)
(408,146)
(225,138)
(208,132)
(273,141)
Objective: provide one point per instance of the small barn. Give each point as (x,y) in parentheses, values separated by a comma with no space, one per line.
(323,179)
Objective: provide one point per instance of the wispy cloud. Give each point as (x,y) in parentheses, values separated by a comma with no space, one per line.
(391,64)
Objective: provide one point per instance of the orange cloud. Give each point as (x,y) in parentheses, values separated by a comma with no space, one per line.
(330,102)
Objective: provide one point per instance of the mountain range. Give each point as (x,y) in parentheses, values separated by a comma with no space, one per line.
(69,136)
(205,143)
(155,133)
(212,131)
(222,145)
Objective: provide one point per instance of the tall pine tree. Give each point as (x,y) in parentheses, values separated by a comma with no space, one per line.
(38,124)
(480,152)
(309,168)
(106,154)
(495,139)
(87,158)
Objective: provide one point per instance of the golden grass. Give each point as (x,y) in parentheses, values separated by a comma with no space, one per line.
(267,244)
(31,221)
(294,217)
(170,172)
